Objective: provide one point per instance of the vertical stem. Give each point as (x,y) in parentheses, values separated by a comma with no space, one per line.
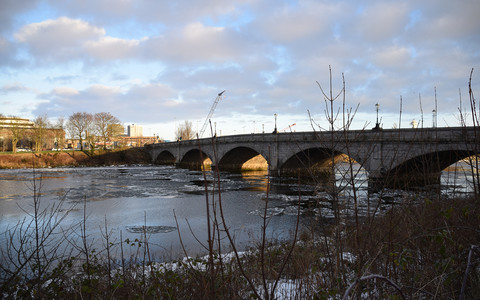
(421,110)
(209,232)
(476,164)
(123,259)
(400,118)
(36,207)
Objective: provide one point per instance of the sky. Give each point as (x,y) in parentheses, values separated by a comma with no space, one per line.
(160,63)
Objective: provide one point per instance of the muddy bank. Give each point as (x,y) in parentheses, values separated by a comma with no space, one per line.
(73,158)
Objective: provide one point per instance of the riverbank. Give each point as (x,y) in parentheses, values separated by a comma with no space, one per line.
(73,158)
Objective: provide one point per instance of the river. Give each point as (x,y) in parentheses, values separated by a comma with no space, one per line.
(123,199)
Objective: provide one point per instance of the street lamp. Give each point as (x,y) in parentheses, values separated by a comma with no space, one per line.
(275,131)
(377,124)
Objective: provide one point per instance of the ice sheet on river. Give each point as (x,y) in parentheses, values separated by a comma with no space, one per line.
(150,229)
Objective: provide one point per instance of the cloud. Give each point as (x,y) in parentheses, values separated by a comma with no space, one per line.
(61,39)
(137,103)
(393,57)
(13,88)
(383,21)
(10,9)
(64,79)
(64,92)
(309,20)
(65,39)
(195,42)
(7,54)
(108,48)
(448,20)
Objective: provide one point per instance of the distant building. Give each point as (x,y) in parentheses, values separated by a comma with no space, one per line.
(7,123)
(25,133)
(134,130)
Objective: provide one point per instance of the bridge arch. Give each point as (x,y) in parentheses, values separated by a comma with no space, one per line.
(165,158)
(242,158)
(311,161)
(195,159)
(424,169)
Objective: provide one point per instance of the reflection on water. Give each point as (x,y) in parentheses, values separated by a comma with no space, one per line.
(130,200)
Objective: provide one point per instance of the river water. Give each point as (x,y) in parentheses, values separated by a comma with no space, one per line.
(123,199)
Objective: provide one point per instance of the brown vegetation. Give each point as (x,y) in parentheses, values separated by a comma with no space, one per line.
(73,158)
(424,247)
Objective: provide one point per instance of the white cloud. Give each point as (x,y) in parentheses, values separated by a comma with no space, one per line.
(60,39)
(109,48)
(65,39)
(65,92)
(195,42)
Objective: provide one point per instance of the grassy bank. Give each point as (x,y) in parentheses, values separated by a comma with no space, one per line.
(73,158)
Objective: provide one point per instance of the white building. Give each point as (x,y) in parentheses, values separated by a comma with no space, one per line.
(134,130)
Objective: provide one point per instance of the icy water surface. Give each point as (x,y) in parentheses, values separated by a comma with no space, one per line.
(131,201)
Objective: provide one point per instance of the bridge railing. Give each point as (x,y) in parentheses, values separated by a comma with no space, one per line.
(441,134)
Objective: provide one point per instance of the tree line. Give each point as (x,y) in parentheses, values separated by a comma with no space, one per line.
(91,127)
(41,133)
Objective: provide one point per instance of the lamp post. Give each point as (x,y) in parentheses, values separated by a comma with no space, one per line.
(377,124)
(275,131)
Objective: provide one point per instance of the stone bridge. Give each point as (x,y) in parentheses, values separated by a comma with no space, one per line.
(413,156)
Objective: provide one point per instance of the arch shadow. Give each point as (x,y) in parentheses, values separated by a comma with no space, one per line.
(423,170)
(242,159)
(195,160)
(165,158)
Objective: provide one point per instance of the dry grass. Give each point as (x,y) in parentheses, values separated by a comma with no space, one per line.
(73,158)
(424,248)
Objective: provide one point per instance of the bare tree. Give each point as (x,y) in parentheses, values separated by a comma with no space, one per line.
(79,125)
(103,123)
(185,131)
(17,134)
(41,124)
(60,133)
